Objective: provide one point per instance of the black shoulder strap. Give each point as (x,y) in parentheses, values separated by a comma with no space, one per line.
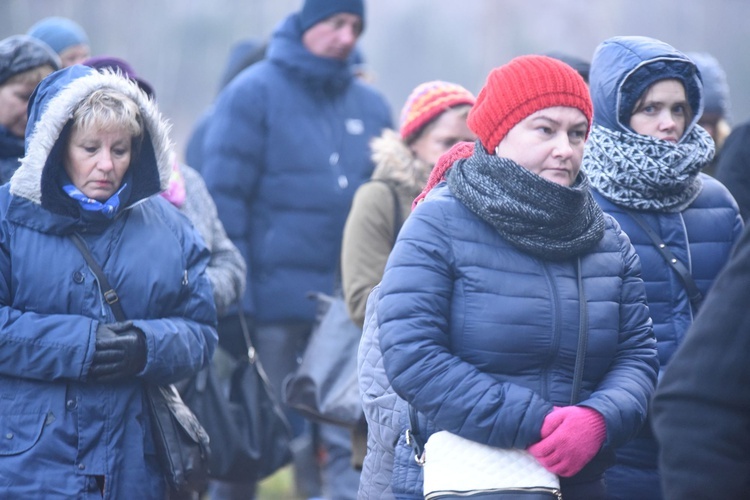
(398,220)
(694,294)
(109,293)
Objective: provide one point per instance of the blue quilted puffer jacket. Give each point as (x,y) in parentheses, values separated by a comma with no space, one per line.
(481,339)
(286,148)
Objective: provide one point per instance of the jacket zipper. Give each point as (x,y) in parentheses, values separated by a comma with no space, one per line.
(556,331)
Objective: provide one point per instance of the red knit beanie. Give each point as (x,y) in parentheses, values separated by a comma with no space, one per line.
(524,86)
(428,101)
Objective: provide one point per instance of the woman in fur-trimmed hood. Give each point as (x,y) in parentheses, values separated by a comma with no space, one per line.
(74,418)
(432,120)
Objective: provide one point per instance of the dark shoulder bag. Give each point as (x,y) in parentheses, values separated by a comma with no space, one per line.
(234,401)
(180,440)
(324,388)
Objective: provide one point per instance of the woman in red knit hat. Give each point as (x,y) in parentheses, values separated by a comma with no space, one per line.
(511,312)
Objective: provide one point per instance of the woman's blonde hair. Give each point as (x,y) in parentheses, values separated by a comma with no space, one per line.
(32,76)
(108,109)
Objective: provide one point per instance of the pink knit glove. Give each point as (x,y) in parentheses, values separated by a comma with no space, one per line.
(571,436)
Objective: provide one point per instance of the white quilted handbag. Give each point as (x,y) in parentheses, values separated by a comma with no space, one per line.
(455,467)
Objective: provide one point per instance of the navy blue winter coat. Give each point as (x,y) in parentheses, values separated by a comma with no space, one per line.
(481,337)
(287,147)
(59,429)
(701,237)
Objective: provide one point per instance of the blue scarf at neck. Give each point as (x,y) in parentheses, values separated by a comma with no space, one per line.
(108,208)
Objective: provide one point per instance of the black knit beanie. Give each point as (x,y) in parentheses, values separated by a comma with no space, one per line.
(314,11)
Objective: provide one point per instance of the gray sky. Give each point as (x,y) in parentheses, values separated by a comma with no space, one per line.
(181,46)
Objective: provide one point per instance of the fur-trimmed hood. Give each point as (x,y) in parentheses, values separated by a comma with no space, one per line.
(50,111)
(394,161)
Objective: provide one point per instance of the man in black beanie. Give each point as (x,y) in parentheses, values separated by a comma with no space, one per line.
(24,62)
(286,147)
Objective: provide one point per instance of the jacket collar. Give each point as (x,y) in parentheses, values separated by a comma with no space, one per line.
(318,73)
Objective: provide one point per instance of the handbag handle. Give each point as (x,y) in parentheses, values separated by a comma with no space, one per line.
(413,435)
(109,293)
(683,273)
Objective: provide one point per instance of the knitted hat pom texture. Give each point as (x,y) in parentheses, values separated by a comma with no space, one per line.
(428,101)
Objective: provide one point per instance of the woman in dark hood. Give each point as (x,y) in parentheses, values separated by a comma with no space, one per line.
(644,159)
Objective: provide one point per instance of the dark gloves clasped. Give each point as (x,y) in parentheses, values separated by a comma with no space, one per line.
(120,352)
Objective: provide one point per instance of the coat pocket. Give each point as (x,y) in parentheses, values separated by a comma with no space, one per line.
(20,432)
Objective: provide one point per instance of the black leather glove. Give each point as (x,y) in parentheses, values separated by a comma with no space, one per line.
(120,352)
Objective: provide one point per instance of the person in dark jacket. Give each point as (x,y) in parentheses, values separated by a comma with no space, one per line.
(243,54)
(701,409)
(644,159)
(75,419)
(286,148)
(716,116)
(24,62)
(499,273)
(733,167)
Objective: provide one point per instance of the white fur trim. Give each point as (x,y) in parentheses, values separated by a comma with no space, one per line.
(26,182)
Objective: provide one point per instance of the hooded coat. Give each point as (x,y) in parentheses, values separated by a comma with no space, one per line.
(700,236)
(287,147)
(62,431)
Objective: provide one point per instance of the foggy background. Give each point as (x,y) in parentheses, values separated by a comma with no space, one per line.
(182,46)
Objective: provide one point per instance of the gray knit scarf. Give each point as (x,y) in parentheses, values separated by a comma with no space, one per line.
(642,173)
(540,217)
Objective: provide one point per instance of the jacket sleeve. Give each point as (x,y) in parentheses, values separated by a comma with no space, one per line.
(414,318)
(182,339)
(226,268)
(233,151)
(701,411)
(623,395)
(367,242)
(45,347)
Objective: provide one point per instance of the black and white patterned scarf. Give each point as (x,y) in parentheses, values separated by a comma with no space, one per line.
(540,217)
(643,173)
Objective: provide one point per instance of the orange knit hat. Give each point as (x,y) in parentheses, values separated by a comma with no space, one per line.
(524,86)
(428,101)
